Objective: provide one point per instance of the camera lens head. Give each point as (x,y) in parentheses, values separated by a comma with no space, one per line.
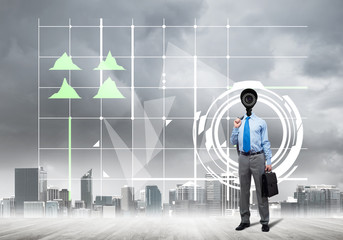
(249,98)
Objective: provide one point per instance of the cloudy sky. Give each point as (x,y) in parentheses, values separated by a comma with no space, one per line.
(320,104)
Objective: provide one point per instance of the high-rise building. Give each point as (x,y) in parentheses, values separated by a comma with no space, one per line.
(233,193)
(7,207)
(51,209)
(191,200)
(86,189)
(30,185)
(172,196)
(142,195)
(214,195)
(79,204)
(128,199)
(186,192)
(103,200)
(153,203)
(34,209)
(317,200)
(64,195)
(42,185)
(52,193)
(117,203)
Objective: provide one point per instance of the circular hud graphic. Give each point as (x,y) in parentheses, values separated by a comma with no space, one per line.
(213,153)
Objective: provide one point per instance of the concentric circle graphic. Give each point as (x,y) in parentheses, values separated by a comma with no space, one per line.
(213,151)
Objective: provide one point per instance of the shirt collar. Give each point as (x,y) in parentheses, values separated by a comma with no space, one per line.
(252,116)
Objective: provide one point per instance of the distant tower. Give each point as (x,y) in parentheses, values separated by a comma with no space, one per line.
(52,193)
(30,185)
(172,196)
(64,195)
(213,195)
(152,200)
(128,198)
(86,189)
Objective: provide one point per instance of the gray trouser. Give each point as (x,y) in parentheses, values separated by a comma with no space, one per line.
(254,165)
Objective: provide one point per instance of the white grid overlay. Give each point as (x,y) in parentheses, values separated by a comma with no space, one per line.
(132,57)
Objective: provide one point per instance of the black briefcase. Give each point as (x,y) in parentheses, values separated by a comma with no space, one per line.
(269,184)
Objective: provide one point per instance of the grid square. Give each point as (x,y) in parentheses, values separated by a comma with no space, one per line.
(211,73)
(148,163)
(87,106)
(205,97)
(148,72)
(182,38)
(148,103)
(54,41)
(55,162)
(179,72)
(112,187)
(147,133)
(117,40)
(120,107)
(124,130)
(85,41)
(179,134)
(87,77)
(53,133)
(117,164)
(82,161)
(179,163)
(183,105)
(52,107)
(148,41)
(51,78)
(208,45)
(81,138)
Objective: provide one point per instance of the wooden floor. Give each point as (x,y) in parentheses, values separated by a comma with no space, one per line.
(169,228)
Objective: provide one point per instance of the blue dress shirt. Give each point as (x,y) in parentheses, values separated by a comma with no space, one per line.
(258,136)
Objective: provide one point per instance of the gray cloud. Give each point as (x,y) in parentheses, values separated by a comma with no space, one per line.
(321,72)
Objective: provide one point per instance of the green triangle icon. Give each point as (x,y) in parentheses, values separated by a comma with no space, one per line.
(109,64)
(65,92)
(64,63)
(109,90)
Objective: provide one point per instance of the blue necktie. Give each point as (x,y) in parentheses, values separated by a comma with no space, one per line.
(246,136)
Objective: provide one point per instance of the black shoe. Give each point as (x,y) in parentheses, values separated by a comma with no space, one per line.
(242,226)
(265,228)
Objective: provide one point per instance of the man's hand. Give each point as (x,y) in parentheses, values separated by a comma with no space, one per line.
(237,122)
(268,168)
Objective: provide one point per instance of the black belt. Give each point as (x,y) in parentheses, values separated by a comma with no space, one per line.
(251,153)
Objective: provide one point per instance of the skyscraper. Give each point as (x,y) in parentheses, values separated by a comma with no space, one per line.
(317,200)
(7,207)
(64,195)
(152,200)
(117,203)
(86,189)
(213,195)
(128,198)
(172,196)
(30,185)
(34,209)
(103,200)
(52,193)
(186,192)
(51,209)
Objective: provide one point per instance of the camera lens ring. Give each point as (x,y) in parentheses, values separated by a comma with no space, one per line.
(249,100)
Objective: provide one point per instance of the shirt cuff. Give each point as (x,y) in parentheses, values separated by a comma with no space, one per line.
(269,161)
(235,130)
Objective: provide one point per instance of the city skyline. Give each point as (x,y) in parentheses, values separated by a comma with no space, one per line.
(313,160)
(38,200)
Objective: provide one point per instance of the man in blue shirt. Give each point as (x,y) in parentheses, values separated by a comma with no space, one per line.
(251,135)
